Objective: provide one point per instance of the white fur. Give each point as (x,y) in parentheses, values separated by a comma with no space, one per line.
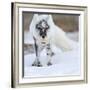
(55,34)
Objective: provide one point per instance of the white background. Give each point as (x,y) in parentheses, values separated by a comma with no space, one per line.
(5,45)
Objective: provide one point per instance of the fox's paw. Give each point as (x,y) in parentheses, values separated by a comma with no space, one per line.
(49,63)
(37,63)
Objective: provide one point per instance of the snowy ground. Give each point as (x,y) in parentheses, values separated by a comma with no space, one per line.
(64,63)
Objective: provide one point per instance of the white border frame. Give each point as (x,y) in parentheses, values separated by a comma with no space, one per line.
(17,44)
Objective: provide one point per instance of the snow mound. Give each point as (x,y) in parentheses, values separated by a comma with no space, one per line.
(64,63)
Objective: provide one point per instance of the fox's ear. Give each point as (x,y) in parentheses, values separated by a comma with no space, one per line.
(35,17)
(50,19)
(33,22)
(50,16)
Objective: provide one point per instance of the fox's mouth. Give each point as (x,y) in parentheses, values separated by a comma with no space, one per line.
(43,42)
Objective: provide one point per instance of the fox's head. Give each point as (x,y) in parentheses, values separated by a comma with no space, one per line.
(42,24)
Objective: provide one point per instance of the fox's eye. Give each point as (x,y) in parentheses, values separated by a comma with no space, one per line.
(38,27)
(47,27)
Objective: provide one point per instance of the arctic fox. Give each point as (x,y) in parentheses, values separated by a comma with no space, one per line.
(45,33)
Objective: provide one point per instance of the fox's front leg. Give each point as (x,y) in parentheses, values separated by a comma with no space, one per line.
(37,52)
(49,54)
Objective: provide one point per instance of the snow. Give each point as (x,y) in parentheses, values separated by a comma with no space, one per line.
(63,63)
